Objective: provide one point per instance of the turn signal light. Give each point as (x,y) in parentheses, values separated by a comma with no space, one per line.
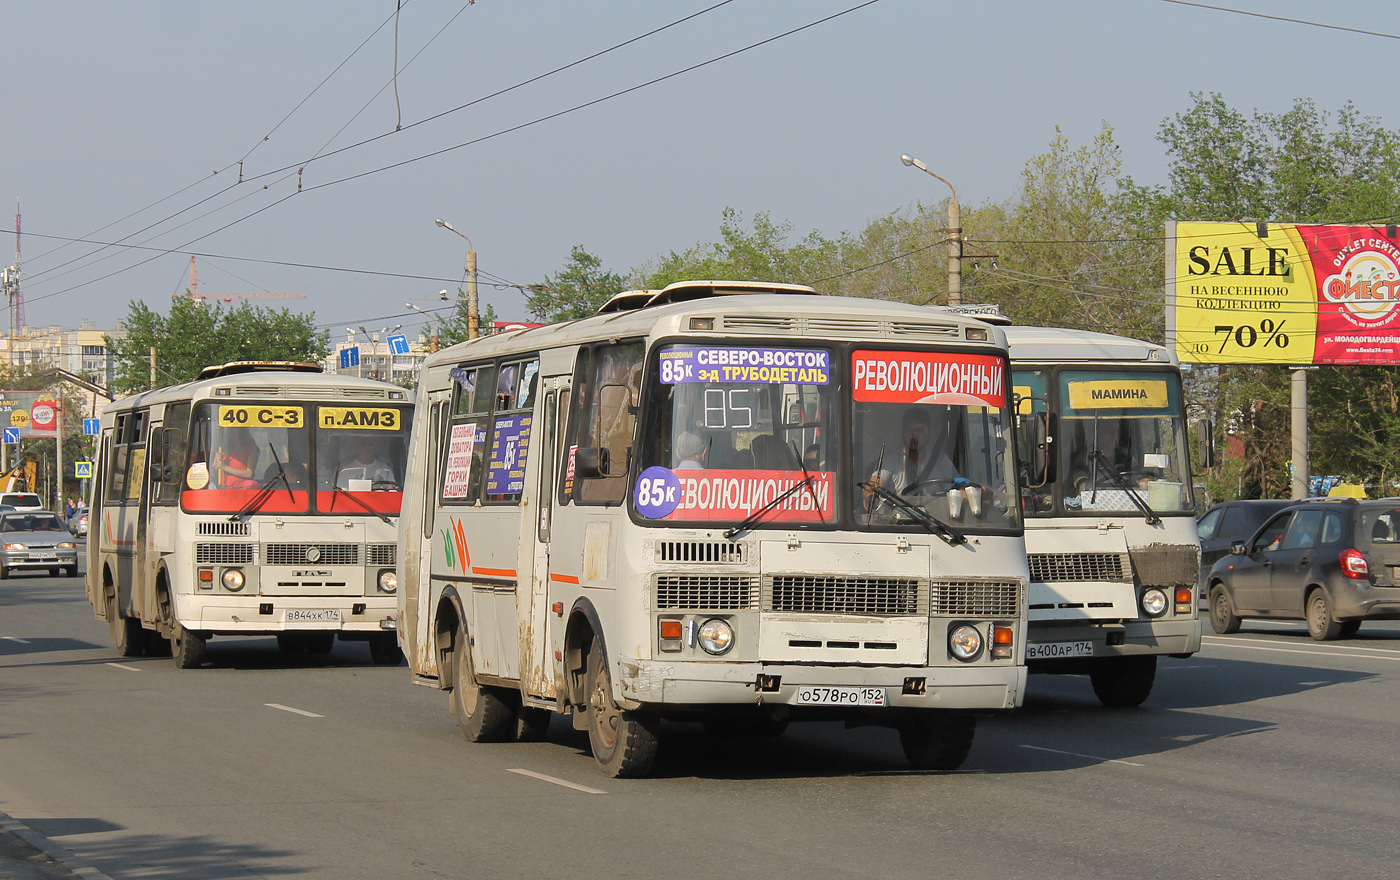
(670,629)
(1003,639)
(206,578)
(1184,600)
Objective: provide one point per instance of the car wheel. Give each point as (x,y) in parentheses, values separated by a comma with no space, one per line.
(1123,682)
(623,743)
(1222,612)
(1322,626)
(72,571)
(483,713)
(4,573)
(936,740)
(53,572)
(1350,628)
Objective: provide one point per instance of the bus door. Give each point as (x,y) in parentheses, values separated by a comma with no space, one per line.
(538,620)
(418,589)
(152,535)
(98,541)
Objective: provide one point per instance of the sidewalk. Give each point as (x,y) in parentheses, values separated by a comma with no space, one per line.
(27,855)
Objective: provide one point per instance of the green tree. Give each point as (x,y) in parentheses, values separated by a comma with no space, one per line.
(579,289)
(456,327)
(195,335)
(761,254)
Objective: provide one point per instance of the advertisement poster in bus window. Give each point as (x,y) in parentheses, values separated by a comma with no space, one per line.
(932,377)
(745,366)
(510,444)
(729,495)
(458,473)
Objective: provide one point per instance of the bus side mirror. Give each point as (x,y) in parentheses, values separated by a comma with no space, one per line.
(591,462)
(1042,452)
(1205,445)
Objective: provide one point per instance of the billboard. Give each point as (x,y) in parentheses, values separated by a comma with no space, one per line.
(34,413)
(1283,293)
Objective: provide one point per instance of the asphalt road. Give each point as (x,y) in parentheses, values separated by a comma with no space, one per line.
(1268,755)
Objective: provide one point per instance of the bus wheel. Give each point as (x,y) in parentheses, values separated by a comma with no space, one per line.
(936,740)
(126,632)
(624,743)
(1123,682)
(186,648)
(384,650)
(483,714)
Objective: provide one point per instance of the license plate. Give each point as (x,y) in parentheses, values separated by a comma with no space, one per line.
(307,615)
(1056,650)
(817,695)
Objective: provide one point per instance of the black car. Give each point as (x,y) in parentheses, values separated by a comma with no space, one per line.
(1228,522)
(1333,563)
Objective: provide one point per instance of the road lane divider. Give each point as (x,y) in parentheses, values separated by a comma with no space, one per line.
(1079,755)
(16,639)
(557,781)
(293,710)
(1314,651)
(123,666)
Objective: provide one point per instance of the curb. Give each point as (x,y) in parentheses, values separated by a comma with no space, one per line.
(53,850)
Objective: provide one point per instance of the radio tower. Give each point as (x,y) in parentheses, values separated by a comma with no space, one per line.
(14,296)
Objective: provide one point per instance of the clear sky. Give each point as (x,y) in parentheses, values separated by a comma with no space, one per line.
(111,107)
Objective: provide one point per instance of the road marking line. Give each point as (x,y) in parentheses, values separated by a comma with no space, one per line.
(13,639)
(1235,643)
(1078,755)
(293,711)
(1331,647)
(575,786)
(121,666)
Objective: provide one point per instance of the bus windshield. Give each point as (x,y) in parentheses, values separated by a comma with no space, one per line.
(237,450)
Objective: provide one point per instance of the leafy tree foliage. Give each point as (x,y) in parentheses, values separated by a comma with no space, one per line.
(195,335)
(579,289)
(456,327)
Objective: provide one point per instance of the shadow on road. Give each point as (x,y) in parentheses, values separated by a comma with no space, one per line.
(42,591)
(162,856)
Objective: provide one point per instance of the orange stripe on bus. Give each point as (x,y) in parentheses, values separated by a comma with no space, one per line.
(494,572)
(563,578)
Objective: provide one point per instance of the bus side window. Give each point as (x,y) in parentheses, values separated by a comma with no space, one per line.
(606,421)
(116,473)
(175,439)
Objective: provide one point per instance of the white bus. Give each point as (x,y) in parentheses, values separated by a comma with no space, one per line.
(1109,515)
(258,499)
(700,505)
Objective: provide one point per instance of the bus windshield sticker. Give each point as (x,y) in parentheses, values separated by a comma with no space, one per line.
(359,418)
(767,366)
(929,377)
(729,495)
(232,416)
(510,445)
(658,492)
(1119,394)
(459,461)
(197,477)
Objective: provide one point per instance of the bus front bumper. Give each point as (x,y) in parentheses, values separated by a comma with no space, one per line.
(659,684)
(1053,644)
(273,614)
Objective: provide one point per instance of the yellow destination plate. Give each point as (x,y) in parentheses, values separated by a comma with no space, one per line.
(264,416)
(359,417)
(1118,394)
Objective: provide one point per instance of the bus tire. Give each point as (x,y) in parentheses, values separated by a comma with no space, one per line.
(384,650)
(483,713)
(186,648)
(127,636)
(937,741)
(623,743)
(1123,682)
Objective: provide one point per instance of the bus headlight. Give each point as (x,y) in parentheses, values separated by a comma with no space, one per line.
(716,636)
(388,580)
(1154,602)
(232,579)
(965,643)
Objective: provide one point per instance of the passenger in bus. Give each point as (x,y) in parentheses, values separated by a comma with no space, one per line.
(920,464)
(812,457)
(235,464)
(368,464)
(690,452)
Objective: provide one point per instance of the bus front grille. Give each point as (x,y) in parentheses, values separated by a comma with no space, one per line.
(223,554)
(382,554)
(1050,567)
(843,595)
(976,598)
(225,529)
(699,551)
(710,592)
(302,554)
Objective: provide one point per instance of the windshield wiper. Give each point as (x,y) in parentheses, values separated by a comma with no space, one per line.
(360,501)
(807,479)
(753,518)
(264,492)
(930,522)
(1101,461)
(281,472)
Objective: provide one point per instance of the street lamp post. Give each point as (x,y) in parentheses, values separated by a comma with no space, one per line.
(472,319)
(954,235)
(432,326)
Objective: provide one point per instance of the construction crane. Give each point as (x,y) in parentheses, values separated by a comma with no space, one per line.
(230,297)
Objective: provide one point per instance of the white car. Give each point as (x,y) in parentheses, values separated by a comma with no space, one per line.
(78,522)
(23,501)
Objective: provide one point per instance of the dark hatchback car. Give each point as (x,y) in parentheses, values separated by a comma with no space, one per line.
(1332,563)
(1228,522)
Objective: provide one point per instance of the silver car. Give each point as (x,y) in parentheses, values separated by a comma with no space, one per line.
(78,522)
(36,539)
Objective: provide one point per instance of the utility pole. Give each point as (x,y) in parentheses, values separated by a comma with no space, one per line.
(473,316)
(153,367)
(954,230)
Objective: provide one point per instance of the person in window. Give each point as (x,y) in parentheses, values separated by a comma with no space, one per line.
(368,464)
(690,452)
(234,465)
(921,462)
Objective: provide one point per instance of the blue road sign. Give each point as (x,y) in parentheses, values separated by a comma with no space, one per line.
(398,344)
(92,426)
(12,435)
(350,357)
(82,470)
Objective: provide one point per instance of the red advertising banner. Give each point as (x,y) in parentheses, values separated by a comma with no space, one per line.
(951,378)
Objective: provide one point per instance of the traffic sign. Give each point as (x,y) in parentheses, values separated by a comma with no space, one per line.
(398,344)
(350,357)
(92,426)
(82,470)
(12,435)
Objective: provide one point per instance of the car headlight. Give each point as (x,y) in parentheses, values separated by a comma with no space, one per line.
(15,546)
(716,636)
(388,580)
(233,579)
(965,643)
(66,545)
(1154,602)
